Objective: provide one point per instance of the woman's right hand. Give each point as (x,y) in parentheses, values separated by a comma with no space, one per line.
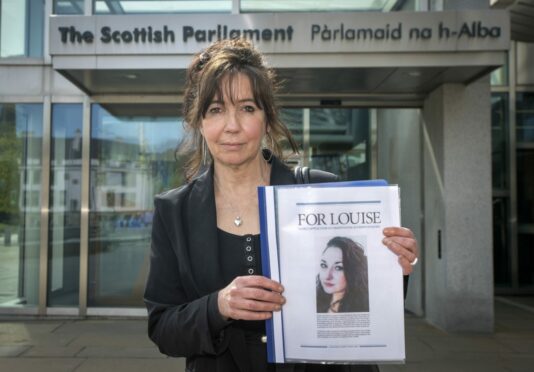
(251,297)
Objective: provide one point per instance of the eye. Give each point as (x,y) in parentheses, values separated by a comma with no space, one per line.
(249,108)
(338,267)
(214,109)
(323,265)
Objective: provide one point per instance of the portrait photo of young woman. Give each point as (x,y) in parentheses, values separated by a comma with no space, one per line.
(342,281)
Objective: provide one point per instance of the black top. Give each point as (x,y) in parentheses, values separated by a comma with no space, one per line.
(239,256)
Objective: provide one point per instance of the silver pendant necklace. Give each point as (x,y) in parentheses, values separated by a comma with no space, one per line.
(238,221)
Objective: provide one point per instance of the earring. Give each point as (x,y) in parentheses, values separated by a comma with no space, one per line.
(270,147)
(205,152)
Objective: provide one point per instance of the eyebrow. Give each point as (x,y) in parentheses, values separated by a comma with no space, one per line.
(239,101)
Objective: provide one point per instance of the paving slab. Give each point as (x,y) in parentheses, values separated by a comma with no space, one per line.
(41,364)
(118,345)
(120,352)
(132,365)
(12,350)
(52,351)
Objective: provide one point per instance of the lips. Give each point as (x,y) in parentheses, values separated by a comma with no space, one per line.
(328,284)
(232,145)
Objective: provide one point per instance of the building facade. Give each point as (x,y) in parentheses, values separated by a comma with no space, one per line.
(90,118)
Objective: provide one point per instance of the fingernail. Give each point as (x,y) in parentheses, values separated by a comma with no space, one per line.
(385,241)
(387,231)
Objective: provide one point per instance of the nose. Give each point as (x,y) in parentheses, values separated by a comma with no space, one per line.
(330,274)
(231,121)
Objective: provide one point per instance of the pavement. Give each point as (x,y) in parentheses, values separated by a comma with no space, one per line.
(117,345)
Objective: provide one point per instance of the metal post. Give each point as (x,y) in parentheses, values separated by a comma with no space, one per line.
(84,218)
(45,204)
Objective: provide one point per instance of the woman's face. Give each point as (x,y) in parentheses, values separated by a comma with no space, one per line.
(233,130)
(331,272)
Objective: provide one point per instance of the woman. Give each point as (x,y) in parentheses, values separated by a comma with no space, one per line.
(206,298)
(342,284)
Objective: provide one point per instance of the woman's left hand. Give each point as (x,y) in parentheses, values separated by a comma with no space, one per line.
(401,241)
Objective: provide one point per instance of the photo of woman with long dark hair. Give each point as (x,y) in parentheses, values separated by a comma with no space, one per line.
(342,281)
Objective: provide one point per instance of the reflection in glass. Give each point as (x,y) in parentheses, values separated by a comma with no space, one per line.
(499,139)
(500,76)
(69,6)
(20,202)
(319,5)
(339,142)
(161,6)
(21,28)
(525,117)
(132,159)
(65,203)
(338,139)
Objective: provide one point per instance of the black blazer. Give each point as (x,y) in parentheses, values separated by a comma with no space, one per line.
(184,280)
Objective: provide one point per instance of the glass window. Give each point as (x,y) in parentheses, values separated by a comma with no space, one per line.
(319,5)
(526,259)
(499,139)
(525,186)
(69,6)
(525,214)
(501,253)
(335,140)
(21,28)
(132,159)
(500,76)
(161,6)
(525,117)
(65,202)
(21,136)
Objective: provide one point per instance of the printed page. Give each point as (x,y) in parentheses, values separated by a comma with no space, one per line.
(343,287)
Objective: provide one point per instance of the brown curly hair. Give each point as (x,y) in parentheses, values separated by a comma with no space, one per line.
(226,59)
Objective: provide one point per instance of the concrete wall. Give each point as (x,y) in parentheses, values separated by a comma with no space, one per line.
(457,203)
(33,80)
(399,161)
(463,4)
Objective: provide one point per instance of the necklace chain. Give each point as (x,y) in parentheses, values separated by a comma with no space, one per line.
(238,219)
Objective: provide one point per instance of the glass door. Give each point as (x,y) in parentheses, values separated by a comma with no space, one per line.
(337,140)
(132,159)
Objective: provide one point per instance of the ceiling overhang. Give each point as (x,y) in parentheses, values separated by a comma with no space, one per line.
(521,18)
(393,55)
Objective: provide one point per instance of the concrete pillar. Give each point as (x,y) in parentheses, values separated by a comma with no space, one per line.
(458,211)
(399,162)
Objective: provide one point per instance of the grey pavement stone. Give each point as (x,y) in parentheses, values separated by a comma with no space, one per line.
(32,333)
(52,351)
(12,350)
(132,365)
(120,352)
(40,364)
(122,345)
(466,344)
(112,340)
